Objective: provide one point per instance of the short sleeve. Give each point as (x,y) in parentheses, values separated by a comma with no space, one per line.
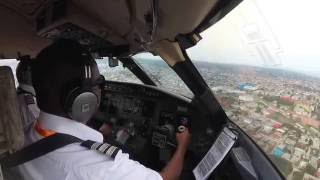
(134,170)
(121,168)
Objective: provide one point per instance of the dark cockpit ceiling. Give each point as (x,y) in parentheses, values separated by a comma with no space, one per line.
(109,27)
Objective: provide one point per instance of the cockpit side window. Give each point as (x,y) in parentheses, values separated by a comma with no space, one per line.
(12,63)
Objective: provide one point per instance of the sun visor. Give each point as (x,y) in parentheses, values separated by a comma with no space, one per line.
(181,16)
(169,51)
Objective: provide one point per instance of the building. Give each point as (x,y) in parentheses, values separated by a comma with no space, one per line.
(247,87)
(311,122)
(309,177)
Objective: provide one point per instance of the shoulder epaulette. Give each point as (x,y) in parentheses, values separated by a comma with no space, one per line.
(104,148)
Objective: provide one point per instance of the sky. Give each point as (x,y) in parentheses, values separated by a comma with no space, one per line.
(271,33)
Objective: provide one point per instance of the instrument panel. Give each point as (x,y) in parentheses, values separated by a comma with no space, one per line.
(145,120)
(133,101)
(142,112)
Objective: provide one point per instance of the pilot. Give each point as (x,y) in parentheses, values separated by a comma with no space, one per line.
(26,94)
(58,69)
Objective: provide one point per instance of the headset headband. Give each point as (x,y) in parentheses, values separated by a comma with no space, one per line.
(87,71)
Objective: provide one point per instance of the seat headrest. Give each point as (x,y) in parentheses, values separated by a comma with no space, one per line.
(11,129)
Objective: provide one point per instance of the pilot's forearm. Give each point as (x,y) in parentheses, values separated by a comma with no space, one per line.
(173,169)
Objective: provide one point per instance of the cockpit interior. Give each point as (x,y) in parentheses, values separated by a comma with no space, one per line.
(144,117)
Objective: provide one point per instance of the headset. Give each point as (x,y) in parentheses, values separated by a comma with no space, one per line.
(79,99)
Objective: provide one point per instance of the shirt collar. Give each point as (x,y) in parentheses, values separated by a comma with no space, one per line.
(67,126)
(27,88)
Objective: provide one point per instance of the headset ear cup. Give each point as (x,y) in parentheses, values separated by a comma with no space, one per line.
(84,106)
(79,99)
(81,104)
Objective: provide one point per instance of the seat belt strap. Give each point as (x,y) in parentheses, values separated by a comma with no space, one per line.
(51,143)
(38,149)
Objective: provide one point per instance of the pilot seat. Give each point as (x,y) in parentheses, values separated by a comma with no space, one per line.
(11,128)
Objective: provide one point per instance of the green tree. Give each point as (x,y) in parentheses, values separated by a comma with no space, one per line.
(258,109)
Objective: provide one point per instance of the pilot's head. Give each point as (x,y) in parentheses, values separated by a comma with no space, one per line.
(23,73)
(67,81)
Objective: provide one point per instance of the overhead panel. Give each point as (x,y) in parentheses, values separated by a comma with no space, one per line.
(112,13)
(17,35)
(27,7)
(138,24)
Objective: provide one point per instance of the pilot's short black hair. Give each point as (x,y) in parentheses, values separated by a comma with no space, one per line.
(56,65)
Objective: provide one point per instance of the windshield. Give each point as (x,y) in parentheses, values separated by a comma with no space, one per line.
(118,73)
(162,74)
(262,63)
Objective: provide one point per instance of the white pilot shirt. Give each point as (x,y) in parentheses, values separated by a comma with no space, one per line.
(74,162)
(28,105)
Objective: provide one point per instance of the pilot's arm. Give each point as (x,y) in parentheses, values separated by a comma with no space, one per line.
(173,169)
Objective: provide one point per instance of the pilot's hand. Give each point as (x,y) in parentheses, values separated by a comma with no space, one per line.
(183,138)
(106,130)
